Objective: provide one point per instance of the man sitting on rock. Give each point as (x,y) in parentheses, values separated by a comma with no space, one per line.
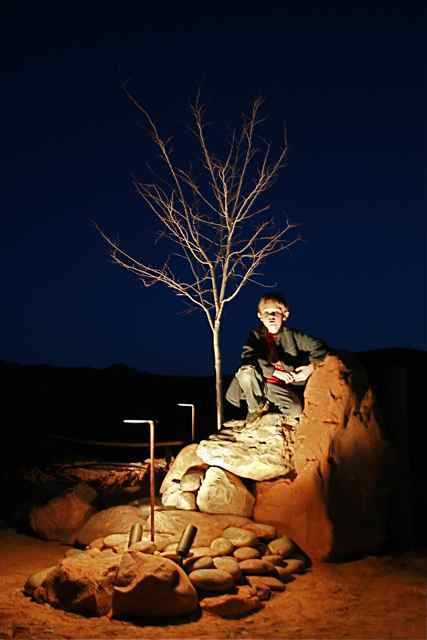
(274,359)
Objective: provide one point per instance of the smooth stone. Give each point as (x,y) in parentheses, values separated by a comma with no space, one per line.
(117,519)
(191,480)
(246,553)
(274,559)
(282,546)
(228,564)
(186,500)
(222,547)
(294,565)
(256,567)
(233,605)
(211,580)
(198,552)
(205,562)
(173,496)
(262,531)
(240,537)
(224,493)
(266,581)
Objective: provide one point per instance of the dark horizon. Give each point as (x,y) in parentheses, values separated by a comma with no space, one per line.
(382,357)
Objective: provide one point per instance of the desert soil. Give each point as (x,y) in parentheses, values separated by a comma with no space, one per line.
(377,597)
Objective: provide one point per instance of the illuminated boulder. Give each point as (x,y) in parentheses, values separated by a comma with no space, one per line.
(61,517)
(223,492)
(186,462)
(148,585)
(183,479)
(336,506)
(81,584)
(113,520)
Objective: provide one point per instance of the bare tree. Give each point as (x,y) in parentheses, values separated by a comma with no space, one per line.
(217,220)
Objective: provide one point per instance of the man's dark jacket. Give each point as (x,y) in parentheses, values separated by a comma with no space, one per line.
(294,349)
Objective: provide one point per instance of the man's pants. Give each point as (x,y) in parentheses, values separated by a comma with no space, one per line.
(255,391)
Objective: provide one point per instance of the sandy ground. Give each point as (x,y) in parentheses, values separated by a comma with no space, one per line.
(376,597)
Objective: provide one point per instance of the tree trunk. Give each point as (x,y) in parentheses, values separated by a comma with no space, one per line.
(218,375)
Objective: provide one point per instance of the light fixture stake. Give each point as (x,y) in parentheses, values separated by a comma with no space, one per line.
(152,489)
(193,418)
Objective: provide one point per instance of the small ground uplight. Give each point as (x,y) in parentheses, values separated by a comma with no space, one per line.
(152,489)
(193,414)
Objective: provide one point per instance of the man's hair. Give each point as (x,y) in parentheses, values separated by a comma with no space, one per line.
(275,297)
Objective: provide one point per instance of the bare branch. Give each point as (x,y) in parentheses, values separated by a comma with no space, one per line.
(216,219)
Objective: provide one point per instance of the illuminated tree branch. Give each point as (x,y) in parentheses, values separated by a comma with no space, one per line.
(215,219)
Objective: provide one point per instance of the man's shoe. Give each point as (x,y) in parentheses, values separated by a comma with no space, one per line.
(254,416)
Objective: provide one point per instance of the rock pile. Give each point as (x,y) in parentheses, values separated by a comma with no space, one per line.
(323,486)
(208,476)
(231,576)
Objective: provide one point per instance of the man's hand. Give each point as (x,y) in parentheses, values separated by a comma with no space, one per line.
(286,376)
(279,365)
(302,373)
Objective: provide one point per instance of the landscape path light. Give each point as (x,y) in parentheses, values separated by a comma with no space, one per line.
(152,490)
(193,415)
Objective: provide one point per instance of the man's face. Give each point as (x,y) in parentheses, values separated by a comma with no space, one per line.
(272,316)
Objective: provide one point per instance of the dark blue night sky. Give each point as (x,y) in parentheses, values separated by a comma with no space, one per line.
(349,83)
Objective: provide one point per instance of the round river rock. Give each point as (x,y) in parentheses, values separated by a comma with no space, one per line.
(230,565)
(240,537)
(222,547)
(211,580)
(281,546)
(246,553)
(257,567)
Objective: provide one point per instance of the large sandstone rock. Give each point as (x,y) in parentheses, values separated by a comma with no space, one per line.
(82,584)
(148,586)
(223,492)
(262,451)
(62,517)
(113,520)
(337,505)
